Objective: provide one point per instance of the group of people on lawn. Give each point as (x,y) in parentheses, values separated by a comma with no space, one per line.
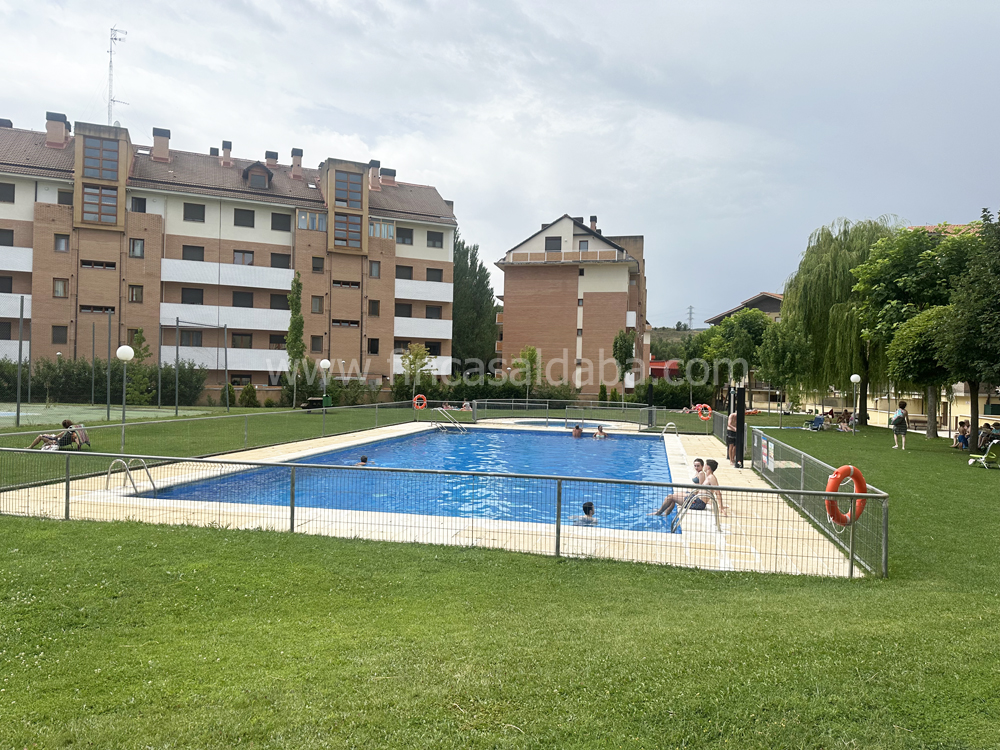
(987,434)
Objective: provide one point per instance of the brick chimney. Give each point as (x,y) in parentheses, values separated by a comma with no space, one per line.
(593,223)
(227,149)
(373,166)
(296,163)
(271,158)
(161,145)
(56,130)
(387,176)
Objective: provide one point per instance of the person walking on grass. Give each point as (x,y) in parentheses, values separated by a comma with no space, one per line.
(900,423)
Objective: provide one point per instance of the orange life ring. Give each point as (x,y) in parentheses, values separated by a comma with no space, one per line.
(833,485)
(704,412)
(419,401)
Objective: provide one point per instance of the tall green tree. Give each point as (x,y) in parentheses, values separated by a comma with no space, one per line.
(623,350)
(295,345)
(783,358)
(529,367)
(820,298)
(416,364)
(913,357)
(139,388)
(475,331)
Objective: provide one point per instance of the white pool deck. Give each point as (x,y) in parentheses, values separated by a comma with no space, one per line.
(760,533)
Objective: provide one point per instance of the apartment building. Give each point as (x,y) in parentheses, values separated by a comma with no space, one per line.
(102,237)
(568,290)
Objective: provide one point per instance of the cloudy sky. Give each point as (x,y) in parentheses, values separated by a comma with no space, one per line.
(725,132)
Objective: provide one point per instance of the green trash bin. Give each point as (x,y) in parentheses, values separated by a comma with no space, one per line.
(327,402)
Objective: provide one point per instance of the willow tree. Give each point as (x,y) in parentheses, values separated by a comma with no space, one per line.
(820,299)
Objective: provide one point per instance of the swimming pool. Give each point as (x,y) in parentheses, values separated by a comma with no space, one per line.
(618,506)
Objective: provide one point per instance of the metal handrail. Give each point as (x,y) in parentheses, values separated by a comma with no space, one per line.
(668,424)
(451,420)
(127,467)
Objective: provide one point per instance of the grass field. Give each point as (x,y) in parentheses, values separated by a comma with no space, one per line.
(122,635)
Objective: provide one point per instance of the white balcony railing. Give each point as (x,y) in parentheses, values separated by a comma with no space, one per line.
(425,291)
(226,274)
(421,328)
(438,365)
(240,360)
(10,307)
(241,318)
(15,259)
(8,350)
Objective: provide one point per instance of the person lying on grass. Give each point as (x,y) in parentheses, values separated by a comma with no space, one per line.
(62,440)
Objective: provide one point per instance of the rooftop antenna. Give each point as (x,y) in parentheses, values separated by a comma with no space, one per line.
(117,35)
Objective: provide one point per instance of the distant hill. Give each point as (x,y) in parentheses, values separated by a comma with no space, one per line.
(670,334)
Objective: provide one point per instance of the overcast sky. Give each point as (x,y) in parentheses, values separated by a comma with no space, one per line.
(723,132)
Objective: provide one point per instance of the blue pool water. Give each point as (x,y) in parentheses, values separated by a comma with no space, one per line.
(626,457)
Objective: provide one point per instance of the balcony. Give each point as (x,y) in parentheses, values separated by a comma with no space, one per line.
(630,319)
(438,365)
(15,259)
(499,319)
(226,274)
(8,350)
(240,360)
(424,291)
(242,318)
(421,328)
(10,307)
(499,347)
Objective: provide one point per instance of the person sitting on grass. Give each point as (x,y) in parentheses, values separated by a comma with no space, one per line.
(844,421)
(961,439)
(62,440)
(985,436)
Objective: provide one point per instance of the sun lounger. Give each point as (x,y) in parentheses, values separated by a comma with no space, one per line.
(991,456)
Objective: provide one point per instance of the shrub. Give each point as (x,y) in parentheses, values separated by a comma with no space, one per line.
(602,393)
(248,396)
(270,403)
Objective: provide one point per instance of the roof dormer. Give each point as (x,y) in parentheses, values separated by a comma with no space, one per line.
(258,176)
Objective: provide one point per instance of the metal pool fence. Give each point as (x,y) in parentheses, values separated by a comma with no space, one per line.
(792,471)
(759,530)
(560,412)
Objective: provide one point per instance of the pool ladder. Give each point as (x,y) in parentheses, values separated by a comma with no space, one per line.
(450,421)
(128,473)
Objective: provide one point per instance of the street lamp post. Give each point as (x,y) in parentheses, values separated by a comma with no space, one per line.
(324,365)
(855,378)
(125,353)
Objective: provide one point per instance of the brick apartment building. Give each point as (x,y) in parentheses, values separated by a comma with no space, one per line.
(94,227)
(568,291)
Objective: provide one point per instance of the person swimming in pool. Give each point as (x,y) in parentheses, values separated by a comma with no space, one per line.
(588,518)
(363,461)
(578,431)
(600,434)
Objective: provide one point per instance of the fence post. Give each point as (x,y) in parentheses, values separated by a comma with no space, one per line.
(324,422)
(66,514)
(546,414)
(558,511)
(802,462)
(885,537)
(291,503)
(376,413)
(850,561)
(246,428)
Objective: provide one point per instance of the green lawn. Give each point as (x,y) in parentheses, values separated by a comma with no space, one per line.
(122,635)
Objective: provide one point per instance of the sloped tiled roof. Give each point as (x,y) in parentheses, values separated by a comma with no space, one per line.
(414,202)
(24,152)
(715,320)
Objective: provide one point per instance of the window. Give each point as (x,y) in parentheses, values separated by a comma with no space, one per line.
(193,252)
(404,272)
(62,243)
(317,305)
(373,346)
(138,205)
(243,217)
(281,222)
(258,180)
(435,274)
(242,341)
(101,265)
(100,204)
(553,244)
(435,239)
(579,331)
(433,312)
(584,244)
(281,260)
(243,257)
(344,323)
(346,230)
(130,335)
(6,284)
(192,296)
(374,307)
(134,293)
(337,283)
(400,347)
(190,338)
(137,248)
(631,282)
(375,269)
(96,309)
(404,310)
(100,158)
(433,348)
(581,271)
(7,238)
(276,341)
(238,380)
(279,301)
(65,198)
(194,212)
(60,287)
(242,299)
(59,334)
(380,228)
(5,330)
(6,192)
(318,263)
(312,220)
(579,303)
(316,343)
(347,189)
(404,236)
